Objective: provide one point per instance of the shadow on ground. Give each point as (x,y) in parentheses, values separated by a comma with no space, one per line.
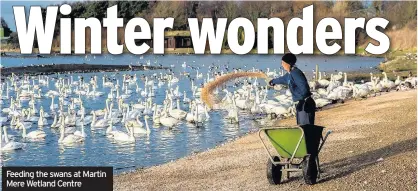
(346,166)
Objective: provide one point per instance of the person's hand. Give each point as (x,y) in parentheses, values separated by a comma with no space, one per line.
(269,81)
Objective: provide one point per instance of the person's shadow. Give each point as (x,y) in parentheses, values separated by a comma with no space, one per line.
(343,167)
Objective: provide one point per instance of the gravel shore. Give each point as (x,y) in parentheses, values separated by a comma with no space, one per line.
(372,147)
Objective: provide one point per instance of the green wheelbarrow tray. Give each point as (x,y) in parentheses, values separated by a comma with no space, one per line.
(293,150)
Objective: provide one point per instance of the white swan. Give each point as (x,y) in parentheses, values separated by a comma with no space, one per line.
(322,82)
(233,113)
(176,113)
(166,120)
(134,123)
(6,144)
(81,133)
(121,136)
(36,134)
(69,139)
(42,120)
(98,123)
(142,130)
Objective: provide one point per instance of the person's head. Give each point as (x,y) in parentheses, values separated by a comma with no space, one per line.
(288,61)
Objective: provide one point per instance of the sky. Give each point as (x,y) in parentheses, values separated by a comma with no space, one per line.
(7,9)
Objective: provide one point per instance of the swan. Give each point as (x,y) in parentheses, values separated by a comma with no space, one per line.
(98,123)
(176,113)
(53,106)
(321,102)
(347,83)
(36,134)
(361,91)
(42,120)
(140,130)
(55,123)
(110,132)
(123,137)
(233,113)
(243,103)
(281,110)
(8,145)
(322,82)
(185,99)
(190,115)
(69,139)
(166,120)
(106,84)
(156,116)
(136,124)
(256,108)
(377,87)
(81,133)
(386,83)
(337,77)
(271,74)
(398,80)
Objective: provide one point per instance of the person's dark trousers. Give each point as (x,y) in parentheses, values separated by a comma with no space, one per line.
(305,112)
(305,117)
(313,136)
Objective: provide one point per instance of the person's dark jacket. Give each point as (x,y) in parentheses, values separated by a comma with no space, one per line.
(297,83)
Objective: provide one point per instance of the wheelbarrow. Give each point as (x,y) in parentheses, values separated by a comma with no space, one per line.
(297,150)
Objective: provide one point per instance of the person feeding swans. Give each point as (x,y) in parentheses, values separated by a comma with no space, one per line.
(299,87)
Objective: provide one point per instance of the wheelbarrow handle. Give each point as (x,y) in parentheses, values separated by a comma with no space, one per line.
(324,139)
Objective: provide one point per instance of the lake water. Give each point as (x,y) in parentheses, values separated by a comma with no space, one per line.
(163,144)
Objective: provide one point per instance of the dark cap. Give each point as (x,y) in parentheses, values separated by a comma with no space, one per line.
(289,58)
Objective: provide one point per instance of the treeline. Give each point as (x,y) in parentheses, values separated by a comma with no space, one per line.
(400,13)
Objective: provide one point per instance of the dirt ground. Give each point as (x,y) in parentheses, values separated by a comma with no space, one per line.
(372,147)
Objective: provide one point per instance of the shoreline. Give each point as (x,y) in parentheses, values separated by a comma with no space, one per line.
(372,140)
(73,68)
(190,51)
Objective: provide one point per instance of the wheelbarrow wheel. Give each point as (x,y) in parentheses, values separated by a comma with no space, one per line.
(274,172)
(310,170)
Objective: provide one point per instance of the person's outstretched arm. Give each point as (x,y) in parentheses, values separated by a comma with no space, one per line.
(280,80)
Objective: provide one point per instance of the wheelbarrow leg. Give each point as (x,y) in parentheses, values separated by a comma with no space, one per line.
(319,150)
(288,172)
(319,168)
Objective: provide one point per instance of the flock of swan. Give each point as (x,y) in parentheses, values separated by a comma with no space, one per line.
(25,113)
